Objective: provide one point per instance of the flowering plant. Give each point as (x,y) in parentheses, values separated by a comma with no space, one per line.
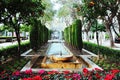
(95,74)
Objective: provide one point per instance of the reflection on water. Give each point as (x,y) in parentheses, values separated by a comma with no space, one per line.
(57,48)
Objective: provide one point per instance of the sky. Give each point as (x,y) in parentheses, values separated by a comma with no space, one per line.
(56,24)
(56,6)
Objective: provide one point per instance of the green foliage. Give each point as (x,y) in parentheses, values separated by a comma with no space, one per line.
(64,11)
(73,34)
(34,35)
(100,27)
(107,36)
(15,12)
(25,28)
(12,50)
(48,12)
(109,52)
(39,35)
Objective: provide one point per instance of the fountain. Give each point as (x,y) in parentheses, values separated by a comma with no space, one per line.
(59,57)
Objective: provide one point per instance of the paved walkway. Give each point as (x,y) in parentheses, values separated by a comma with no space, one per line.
(107,44)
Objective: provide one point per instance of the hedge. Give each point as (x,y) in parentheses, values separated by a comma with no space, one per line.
(6,37)
(11,50)
(73,34)
(39,34)
(103,50)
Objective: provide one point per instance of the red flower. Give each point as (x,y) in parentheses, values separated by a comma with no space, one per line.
(98,76)
(66,72)
(37,78)
(16,73)
(68,77)
(85,70)
(27,79)
(115,71)
(109,77)
(28,71)
(52,72)
(49,72)
(55,71)
(2,72)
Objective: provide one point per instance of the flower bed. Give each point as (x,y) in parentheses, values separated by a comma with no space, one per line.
(95,74)
(109,58)
(14,64)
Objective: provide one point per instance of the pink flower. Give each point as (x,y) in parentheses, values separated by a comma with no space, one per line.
(41,72)
(90,78)
(16,73)
(28,71)
(76,76)
(37,78)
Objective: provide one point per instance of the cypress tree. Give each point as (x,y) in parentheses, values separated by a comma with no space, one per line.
(79,34)
(34,35)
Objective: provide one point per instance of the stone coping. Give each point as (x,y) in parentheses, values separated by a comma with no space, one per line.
(91,54)
(55,41)
(91,64)
(27,52)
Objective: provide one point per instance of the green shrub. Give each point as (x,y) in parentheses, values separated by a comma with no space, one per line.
(107,36)
(73,34)
(38,35)
(103,50)
(12,50)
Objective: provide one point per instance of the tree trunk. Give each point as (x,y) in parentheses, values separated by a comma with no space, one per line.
(87,36)
(111,39)
(108,25)
(98,45)
(12,35)
(97,36)
(18,40)
(115,30)
(6,33)
(118,18)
